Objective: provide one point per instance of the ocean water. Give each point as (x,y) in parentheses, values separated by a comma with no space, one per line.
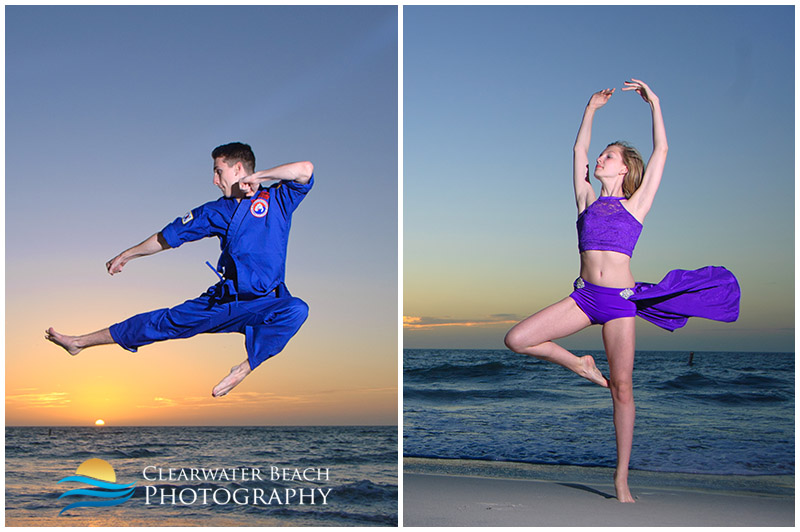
(221,476)
(726,414)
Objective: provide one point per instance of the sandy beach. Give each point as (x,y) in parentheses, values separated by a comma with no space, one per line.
(476,493)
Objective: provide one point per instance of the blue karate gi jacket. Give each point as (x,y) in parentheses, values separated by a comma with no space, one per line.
(253,233)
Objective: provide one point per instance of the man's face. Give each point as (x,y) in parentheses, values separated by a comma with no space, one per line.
(226,177)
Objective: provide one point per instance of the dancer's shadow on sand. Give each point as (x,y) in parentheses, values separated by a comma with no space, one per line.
(587,488)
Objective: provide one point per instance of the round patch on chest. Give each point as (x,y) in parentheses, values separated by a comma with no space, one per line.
(259,208)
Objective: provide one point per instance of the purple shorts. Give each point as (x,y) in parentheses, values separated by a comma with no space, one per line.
(602,304)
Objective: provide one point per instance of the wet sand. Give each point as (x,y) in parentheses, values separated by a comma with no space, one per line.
(476,493)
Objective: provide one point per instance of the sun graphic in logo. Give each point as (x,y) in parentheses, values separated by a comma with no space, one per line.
(97,474)
(96,468)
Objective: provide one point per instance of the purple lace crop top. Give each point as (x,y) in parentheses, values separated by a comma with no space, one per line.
(608,226)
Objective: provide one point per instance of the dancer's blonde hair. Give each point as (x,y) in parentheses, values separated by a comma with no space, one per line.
(632,159)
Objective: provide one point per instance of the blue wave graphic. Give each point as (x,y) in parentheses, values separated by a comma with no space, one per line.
(96,503)
(96,483)
(119,493)
(105,494)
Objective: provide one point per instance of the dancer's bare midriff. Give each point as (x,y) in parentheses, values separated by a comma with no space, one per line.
(606,268)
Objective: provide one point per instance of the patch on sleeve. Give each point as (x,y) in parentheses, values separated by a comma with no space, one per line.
(187,218)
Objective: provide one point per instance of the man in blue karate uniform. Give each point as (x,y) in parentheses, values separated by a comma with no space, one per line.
(252,223)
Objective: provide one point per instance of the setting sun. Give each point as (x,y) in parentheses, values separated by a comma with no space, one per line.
(99,422)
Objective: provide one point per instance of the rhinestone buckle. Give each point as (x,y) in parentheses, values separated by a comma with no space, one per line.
(625,294)
(579,283)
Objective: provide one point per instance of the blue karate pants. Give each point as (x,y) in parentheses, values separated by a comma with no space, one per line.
(268,323)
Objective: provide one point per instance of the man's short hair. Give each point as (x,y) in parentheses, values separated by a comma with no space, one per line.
(236,152)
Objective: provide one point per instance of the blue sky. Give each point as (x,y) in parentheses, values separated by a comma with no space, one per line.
(111,116)
(493,98)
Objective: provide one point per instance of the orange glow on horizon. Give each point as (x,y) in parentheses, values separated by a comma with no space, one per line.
(414,323)
(72,391)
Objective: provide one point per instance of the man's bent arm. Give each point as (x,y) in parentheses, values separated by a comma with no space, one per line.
(152,245)
(299,172)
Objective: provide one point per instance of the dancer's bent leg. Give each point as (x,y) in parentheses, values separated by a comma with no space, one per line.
(533,336)
(75,344)
(619,337)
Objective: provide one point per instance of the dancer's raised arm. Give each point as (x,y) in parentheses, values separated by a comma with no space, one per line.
(584,194)
(640,202)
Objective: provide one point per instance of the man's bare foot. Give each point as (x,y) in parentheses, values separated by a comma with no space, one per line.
(588,370)
(237,375)
(67,342)
(621,485)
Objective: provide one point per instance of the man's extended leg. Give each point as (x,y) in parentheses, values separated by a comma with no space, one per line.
(268,324)
(75,344)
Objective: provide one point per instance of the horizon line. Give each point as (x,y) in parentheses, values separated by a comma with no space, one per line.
(603,350)
(196,426)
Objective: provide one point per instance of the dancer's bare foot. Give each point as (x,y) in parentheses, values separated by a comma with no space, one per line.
(588,370)
(621,485)
(67,342)
(237,375)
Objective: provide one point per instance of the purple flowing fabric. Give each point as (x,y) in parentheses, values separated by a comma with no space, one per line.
(711,292)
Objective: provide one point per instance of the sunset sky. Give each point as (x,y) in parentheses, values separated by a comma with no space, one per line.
(111,115)
(493,97)
(112,112)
